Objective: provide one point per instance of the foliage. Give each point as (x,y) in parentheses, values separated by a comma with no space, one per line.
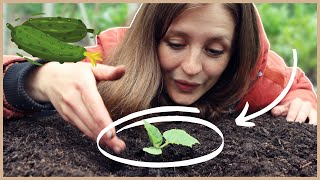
(155,135)
(293,26)
(172,136)
(101,15)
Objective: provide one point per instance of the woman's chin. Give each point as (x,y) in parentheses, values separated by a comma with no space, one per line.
(183,101)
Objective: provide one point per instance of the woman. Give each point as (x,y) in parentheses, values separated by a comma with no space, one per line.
(212,56)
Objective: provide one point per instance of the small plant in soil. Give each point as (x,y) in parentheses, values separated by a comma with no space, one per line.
(172,136)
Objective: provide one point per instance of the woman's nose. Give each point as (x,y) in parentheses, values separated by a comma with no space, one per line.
(191,64)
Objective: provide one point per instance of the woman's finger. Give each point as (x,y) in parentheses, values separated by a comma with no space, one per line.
(107,73)
(303,112)
(73,119)
(313,117)
(96,107)
(116,144)
(100,115)
(72,109)
(280,110)
(294,109)
(78,106)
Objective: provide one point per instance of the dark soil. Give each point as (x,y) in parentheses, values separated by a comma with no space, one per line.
(47,146)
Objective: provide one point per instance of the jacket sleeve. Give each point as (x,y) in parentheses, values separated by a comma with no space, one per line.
(272,81)
(8,110)
(16,102)
(301,88)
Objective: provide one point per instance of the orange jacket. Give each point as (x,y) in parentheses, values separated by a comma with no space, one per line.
(268,86)
(275,77)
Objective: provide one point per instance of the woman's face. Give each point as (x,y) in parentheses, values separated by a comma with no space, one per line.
(195,51)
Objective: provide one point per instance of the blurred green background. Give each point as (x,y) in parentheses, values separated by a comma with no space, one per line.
(288,26)
(291,26)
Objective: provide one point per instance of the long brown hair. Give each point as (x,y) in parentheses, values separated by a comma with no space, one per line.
(141,86)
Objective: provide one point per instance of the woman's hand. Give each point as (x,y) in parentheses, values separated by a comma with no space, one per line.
(72,89)
(296,110)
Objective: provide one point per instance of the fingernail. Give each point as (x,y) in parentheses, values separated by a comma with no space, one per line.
(109,134)
(278,112)
(117,149)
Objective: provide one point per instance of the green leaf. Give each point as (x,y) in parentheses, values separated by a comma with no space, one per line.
(152,150)
(19,54)
(180,137)
(31,61)
(154,134)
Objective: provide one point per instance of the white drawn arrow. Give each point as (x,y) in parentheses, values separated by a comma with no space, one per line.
(241,120)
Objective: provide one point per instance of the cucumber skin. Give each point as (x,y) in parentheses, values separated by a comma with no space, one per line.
(44,46)
(64,29)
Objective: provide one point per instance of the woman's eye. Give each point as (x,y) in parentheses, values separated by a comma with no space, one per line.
(175,45)
(214,52)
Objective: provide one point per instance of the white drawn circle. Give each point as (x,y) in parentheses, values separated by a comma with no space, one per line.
(162,119)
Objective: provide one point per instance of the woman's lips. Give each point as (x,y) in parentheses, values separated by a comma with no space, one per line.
(186,86)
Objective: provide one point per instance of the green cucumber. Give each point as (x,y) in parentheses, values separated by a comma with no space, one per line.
(64,29)
(44,46)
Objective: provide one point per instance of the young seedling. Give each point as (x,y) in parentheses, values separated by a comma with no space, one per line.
(172,136)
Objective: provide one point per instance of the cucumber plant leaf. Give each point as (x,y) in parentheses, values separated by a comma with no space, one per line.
(154,134)
(180,137)
(152,150)
(172,136)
